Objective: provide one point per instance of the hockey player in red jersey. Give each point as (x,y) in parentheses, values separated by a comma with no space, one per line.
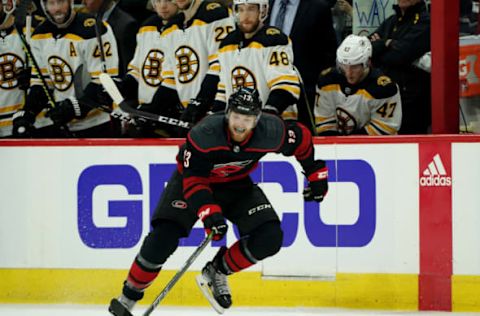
(213,166)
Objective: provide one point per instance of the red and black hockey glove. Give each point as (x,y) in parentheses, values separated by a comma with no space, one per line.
(213,220)
(317,176)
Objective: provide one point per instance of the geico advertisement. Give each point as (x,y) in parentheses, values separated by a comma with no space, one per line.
(89,207)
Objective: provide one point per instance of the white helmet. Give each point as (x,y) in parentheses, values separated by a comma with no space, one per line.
(51,19)
(354,50)
(262,5)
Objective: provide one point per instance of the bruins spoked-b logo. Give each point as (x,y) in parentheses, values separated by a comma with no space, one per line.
(61,73)
(9,65)
(346,123)
(242,77)
(152,68)
(188,64)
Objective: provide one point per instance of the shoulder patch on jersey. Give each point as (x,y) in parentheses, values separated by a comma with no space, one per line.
(89,22)
(272,31)
(210,11)
(270,36)
(383,80)
(83,26)
(380,86)
(212,6)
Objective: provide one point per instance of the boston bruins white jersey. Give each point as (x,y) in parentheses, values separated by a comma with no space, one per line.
(12,59)
(264,62)
(60,54)
(371,107)
(146,65)
(188,47)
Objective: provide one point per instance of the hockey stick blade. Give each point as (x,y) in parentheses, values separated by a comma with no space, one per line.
(112,90)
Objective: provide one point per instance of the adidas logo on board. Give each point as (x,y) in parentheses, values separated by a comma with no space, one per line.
(435,175)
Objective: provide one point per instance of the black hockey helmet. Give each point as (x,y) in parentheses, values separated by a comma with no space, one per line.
(245,101)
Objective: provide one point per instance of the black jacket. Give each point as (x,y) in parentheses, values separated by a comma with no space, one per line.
(314,46)
(410,35)
(125,29)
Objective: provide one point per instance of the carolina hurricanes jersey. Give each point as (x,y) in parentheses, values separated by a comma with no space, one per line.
(12,59)
(371,107)
(146,65)
(190,46)
(61,52)
(264,62)
(210,155)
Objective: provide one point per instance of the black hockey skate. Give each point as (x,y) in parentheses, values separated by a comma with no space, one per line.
(121,306)
(214,286)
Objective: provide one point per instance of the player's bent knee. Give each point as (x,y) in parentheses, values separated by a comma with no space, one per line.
(266,240)
(161,242)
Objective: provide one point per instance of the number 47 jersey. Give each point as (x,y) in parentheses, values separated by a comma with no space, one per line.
(371,107)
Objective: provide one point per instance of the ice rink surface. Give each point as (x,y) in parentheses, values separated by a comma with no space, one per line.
(82,310)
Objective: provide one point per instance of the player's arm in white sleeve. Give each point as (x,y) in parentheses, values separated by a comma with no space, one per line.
(38,54)
(218,30)
(282,80)
(324,111)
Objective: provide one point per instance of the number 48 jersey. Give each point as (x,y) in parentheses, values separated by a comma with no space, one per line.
(264,62)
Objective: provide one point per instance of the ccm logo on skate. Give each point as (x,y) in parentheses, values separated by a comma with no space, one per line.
(112,204)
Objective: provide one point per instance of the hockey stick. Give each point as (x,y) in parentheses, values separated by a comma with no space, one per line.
(111,88)
(98,23)
(80,95)
(178,275)
(20,16)
(307,103)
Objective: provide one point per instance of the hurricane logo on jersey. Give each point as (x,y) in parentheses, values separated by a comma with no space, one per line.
(9,65)
(188,64)
(346,123)
(152,68)
(226,169)
(242,77)
(61,73)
